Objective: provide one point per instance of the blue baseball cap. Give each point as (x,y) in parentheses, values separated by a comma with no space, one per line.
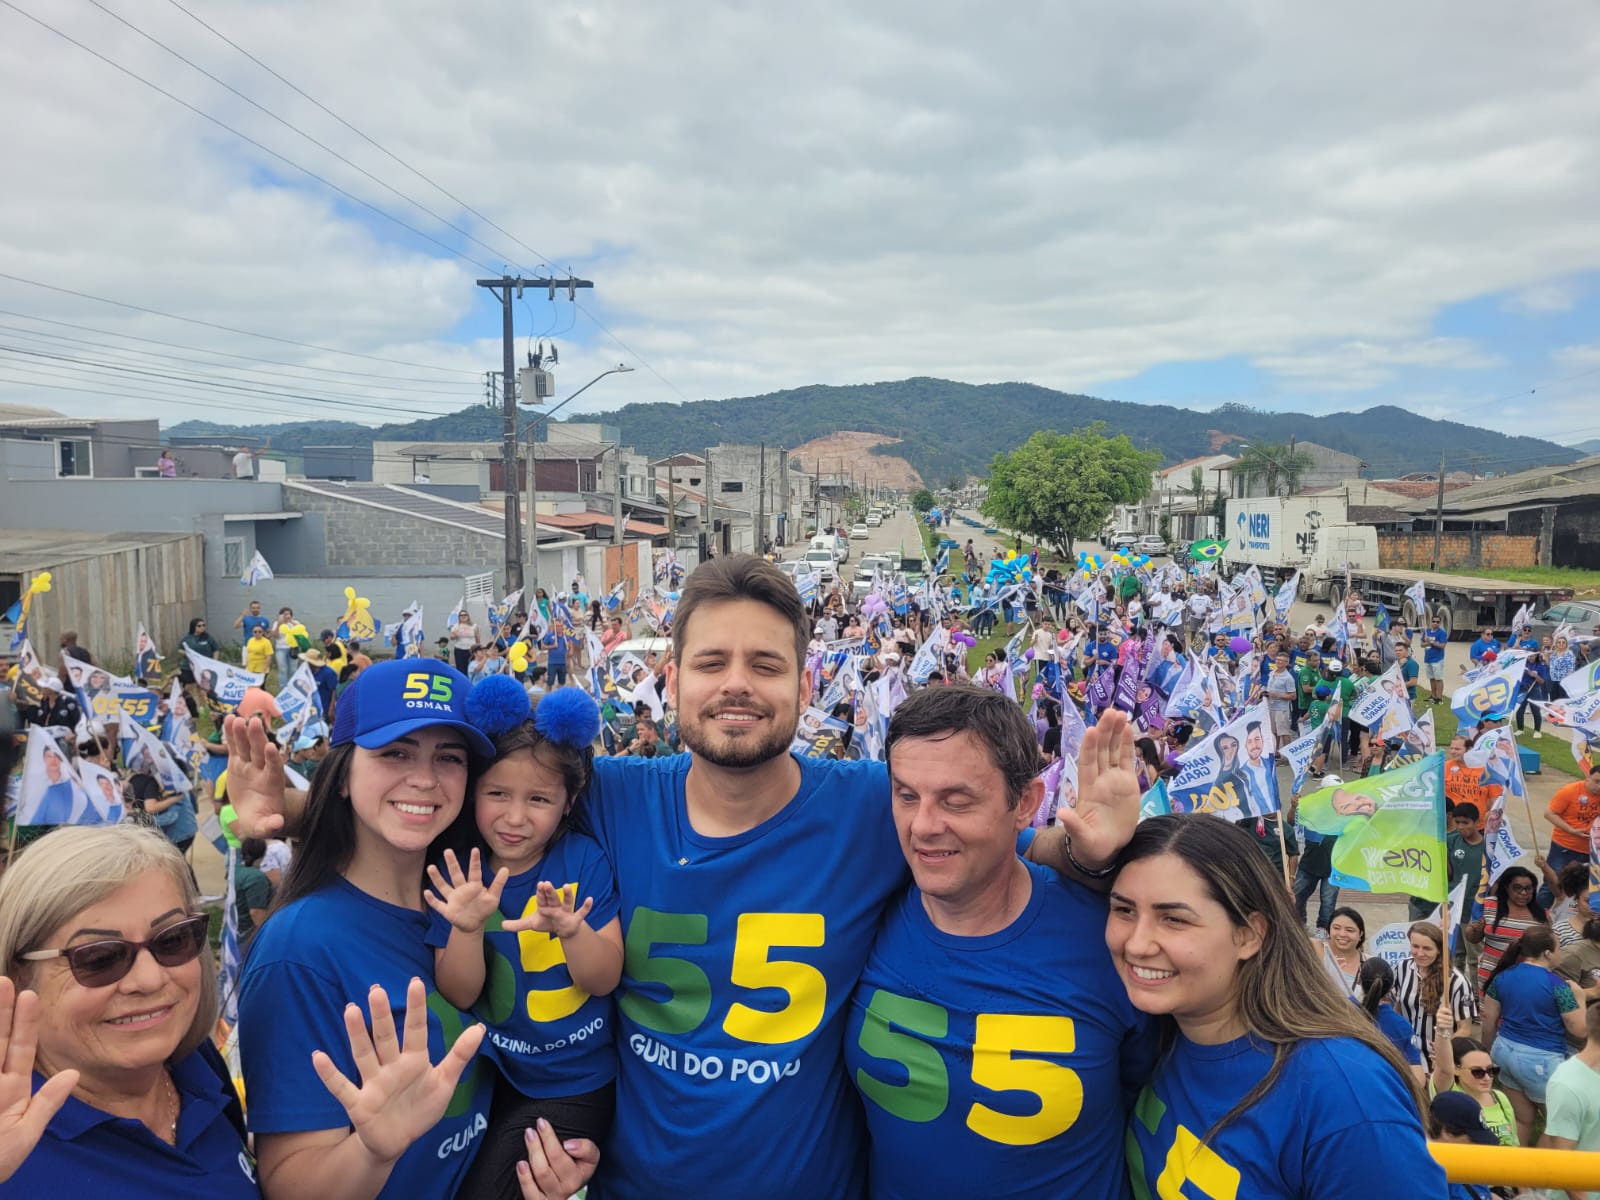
(402,695)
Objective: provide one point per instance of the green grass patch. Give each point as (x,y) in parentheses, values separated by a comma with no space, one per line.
(1585,585)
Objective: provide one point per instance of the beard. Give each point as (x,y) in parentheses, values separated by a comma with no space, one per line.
(703,739)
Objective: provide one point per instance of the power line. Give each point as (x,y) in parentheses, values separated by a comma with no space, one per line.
(388,380)
(374,143)
(123,369)
(270,337)
(244,137)
(50,341)
(153,40)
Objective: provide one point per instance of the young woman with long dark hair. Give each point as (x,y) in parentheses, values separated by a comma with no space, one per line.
(1254,1034)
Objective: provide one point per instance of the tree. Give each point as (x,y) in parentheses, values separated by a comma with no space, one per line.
(1058,487)
(922,500)
(1272,465)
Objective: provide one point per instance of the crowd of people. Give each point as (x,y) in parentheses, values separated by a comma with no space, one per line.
(487,951)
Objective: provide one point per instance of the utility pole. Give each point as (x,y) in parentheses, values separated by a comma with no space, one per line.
(761,502)
(1288,468)
(1438,516)
(672,507)
(616,525)
(506,289)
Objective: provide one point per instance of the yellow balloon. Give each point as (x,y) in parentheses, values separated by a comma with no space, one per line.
(40,582)
(519,657)
(349,595)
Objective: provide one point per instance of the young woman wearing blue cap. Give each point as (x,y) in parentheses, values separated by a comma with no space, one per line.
(346,935)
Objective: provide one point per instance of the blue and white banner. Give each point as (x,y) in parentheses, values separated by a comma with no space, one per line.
(223,683)
(1490,694)
(1286,595)
(255,571)
(1231,772)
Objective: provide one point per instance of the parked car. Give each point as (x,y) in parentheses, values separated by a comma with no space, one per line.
(1151,544)
(873,520)
(858,532)
(1123,539)
(1582,615)
(833,544)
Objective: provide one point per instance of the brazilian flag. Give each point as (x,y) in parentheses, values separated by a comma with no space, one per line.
(1207,549)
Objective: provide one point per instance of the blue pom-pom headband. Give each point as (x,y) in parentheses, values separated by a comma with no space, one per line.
(567,716)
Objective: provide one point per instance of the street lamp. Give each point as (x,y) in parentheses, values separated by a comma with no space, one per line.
(532,592)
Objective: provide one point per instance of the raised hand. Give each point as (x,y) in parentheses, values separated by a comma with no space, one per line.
(554,1169)
(402,1095)
(1102,821)
(256,781)
(24,1113)
(465,900)
(555,910)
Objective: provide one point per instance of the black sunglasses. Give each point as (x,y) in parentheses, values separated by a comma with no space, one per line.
(1483,1072)
(100,964)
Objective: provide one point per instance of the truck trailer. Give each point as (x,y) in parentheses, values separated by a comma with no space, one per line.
(1313,535)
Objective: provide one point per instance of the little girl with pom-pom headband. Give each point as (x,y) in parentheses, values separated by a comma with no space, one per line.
(528,930)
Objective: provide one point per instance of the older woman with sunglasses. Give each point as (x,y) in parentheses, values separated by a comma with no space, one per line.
(103,924)
(100,929)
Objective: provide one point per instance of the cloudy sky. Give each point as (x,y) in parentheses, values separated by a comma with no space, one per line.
(1318,208)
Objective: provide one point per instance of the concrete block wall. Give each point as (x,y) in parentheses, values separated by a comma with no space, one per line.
(1477,551)
(358,536)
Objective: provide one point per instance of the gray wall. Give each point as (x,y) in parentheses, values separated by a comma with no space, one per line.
(21,459)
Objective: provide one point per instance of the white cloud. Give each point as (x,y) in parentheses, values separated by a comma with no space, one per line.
(772,196)
(1557,296)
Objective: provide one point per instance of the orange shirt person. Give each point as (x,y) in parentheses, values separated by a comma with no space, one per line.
(1465,785)
(1572,810)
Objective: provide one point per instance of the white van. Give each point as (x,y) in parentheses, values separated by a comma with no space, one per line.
(833,544)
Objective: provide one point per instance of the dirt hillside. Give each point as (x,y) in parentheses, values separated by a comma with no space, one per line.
(852,448)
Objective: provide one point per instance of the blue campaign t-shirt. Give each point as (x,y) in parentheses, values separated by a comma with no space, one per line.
(306,963)
(548,1036)
(86,1152)
(557,646)
(741,955)
(1338,1119)
(1400,1032)
(1532,999)
(250,624)
(1480,648)
(1433,644)
(1007,1060)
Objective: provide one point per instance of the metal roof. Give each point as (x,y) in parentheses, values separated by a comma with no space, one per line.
(23,550)
(491,451)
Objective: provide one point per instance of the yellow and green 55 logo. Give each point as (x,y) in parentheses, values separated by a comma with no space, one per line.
(423,685)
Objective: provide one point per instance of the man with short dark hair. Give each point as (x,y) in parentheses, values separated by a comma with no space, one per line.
(750,884)
(976,964)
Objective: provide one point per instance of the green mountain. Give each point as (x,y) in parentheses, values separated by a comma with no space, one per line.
(1592,446)
(949,429)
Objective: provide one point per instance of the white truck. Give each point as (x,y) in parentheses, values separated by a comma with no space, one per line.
(1313,535)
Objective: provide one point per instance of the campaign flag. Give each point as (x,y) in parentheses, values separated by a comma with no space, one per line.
(104,794)
(1101,689)
(1231,772)
(1594,866)
(1185,696)
(1380,616)
(1417,593)
(50,793)
(19,611)
(1524,616)
(1581,713)
(806,584)
(147,659)
(941,564)
(1373,704)
(1390,829)
(1127,695)
(135,703)
(450,619)
(255,570)
(1299,753)
(1154,803)
(1491,694)
(138,743)
(926,661)
(93,685)
(228,968)
(1284,600)
(1339,627)
(1420,740)
(1496,754)
(1585,679)
(299,692)
(1207,549)
(1072,725)
(223,683)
